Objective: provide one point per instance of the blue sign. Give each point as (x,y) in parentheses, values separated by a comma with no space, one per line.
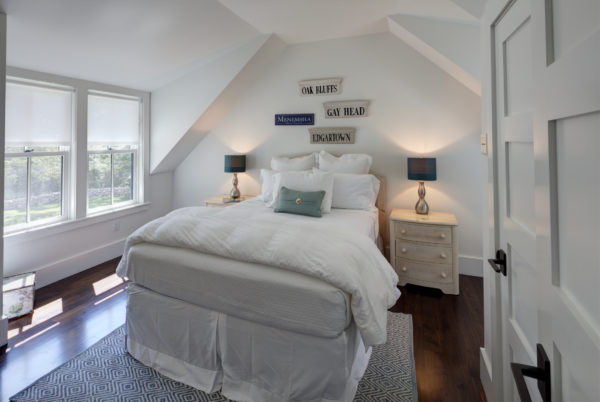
(304,119)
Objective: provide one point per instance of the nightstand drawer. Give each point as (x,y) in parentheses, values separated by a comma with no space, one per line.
(423,272)
(423,253)
(424,233)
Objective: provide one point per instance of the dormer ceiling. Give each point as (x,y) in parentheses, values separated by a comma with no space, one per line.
(146,44)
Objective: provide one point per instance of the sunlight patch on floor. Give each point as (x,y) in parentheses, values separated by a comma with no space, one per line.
(109,296)
(106,284)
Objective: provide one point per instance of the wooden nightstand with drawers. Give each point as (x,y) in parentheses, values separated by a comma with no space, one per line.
(424,249)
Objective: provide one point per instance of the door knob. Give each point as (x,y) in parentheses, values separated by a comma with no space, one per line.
(499,263)
(541,373)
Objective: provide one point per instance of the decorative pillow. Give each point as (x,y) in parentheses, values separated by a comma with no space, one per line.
(347,163)
(304,181)
(286,164)
(355,191)
(300,202)
(266,184)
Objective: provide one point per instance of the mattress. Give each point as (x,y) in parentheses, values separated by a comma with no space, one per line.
(259,293)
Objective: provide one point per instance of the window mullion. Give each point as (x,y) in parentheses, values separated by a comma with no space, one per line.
(112,179)
(28,192)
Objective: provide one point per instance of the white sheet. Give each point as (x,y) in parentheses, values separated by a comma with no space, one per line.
(255,292)
(345,259)
(249,361)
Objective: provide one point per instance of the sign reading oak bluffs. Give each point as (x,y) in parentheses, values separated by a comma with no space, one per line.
(321,86)
(354,108)
(332,135)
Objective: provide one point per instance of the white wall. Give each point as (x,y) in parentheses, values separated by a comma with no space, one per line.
(58,252)
(416,109)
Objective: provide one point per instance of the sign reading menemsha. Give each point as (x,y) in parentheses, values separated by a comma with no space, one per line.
(332,135)
(321,86)
(305,119)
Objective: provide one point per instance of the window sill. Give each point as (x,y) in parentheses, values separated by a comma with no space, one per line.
(66,226)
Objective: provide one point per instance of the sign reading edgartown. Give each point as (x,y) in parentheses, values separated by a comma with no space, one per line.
(304,119)
(355,108)
(332,135)
(322,86)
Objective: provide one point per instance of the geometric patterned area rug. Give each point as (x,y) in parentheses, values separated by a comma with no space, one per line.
(106,372)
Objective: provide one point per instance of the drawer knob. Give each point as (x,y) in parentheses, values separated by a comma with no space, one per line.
(443,236)
(443,255)
(403,231)
(443,275)
(403,250)
(404,269)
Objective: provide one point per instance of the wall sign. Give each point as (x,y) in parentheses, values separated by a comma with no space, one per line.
(305,119)
(356,108)
(321,86)
(332,135)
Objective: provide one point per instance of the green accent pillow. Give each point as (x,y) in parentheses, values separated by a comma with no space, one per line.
(300,202)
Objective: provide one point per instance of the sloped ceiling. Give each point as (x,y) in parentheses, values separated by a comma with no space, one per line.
(141,44)
(311,20)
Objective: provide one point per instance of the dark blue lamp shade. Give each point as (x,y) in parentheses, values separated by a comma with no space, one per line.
(235,163)
(422,169)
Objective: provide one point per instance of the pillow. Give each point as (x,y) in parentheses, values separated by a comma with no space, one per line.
(347,163)
(283,163)
(266,184)
(300,202)
(304,181)
(355,191)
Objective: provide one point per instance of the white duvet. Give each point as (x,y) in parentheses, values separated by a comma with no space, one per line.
(345,259)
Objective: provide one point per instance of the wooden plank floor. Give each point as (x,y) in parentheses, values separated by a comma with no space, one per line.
(74,313)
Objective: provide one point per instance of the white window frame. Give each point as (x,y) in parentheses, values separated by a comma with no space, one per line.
(65,152)
(112,152)
(75,208)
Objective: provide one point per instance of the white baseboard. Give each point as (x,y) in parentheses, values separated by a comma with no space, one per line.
(485,374)
(472,266)
(79,262)
(3,330)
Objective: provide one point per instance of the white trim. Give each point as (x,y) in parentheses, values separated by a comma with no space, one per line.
(485,374)
(66,226)
(472,266)
(74,264)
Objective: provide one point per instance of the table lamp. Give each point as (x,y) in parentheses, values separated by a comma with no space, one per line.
(235,164)
(422,169)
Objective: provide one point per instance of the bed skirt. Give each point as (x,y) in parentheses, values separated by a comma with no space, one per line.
(248,361)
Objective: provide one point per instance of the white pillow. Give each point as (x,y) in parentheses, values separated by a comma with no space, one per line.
(305,181)
(283,163)
(347,163)
(266,184)
(354,191)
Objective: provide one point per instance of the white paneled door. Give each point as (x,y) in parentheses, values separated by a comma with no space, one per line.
(546,85)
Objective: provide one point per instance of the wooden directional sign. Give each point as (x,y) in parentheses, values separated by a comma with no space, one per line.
(332,135)
(341,109)
(304,119)
(321,86)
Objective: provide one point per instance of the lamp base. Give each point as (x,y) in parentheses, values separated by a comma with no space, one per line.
(235,192)
(421,206)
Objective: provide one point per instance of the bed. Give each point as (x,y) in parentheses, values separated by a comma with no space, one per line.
(264,306)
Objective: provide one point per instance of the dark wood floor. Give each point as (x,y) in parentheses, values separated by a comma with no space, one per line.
(76,312)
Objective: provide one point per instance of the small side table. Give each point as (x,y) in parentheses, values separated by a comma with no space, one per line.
(424,249)
(219,201)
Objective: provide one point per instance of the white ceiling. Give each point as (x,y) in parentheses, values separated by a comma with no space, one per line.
(146,43)
(311,20)
(134,43)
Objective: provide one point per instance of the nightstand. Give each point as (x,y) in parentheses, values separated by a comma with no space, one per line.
(218,201)
(424,249)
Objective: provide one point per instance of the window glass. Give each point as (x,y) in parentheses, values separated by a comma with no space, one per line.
(15,191)
(45,200)
(123,175)
(99,181)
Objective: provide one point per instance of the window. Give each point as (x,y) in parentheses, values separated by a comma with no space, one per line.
(113,142)
(39,130)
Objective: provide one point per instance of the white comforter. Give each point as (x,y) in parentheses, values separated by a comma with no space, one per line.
(347,260)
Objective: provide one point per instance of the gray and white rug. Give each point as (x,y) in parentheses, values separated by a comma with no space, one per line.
(106,372)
